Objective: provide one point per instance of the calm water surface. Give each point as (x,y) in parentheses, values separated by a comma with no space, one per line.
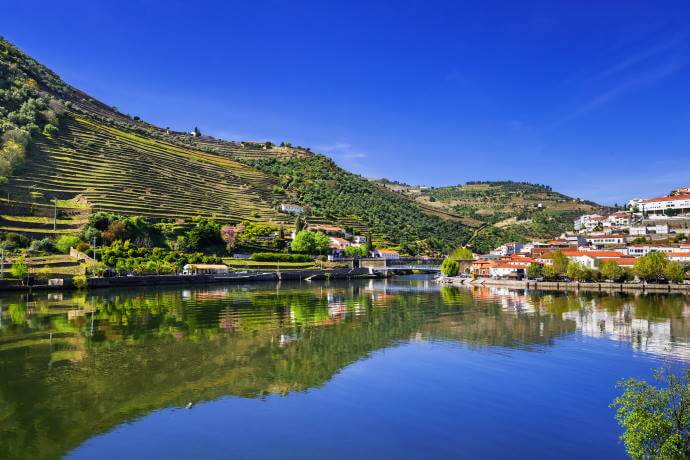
(373,369)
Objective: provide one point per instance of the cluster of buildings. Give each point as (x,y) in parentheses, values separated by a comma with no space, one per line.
(659,224)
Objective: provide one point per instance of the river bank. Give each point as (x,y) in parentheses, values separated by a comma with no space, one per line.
(565,286)
(165,280)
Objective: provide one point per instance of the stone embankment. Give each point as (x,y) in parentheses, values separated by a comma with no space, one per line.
(164,280)
(564,286)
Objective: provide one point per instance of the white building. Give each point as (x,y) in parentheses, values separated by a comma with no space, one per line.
(359,239)
(588,222)
(683,257)
(650,230)
(205,269)
(385,254)
(639,251)
(665,206)
(606,240)
(291,208)
(507,249)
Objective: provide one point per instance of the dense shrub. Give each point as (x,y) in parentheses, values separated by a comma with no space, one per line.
(280,257)
(65,242)
(450,267)
(45,245)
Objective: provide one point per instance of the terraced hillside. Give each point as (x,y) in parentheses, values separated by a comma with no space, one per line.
(126,173)
(523,209)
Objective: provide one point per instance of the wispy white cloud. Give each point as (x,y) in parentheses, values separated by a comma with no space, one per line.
(639,57)
(643,67)
(631,83)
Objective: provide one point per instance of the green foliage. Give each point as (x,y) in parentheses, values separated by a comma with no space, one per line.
(126,258)
(650,267)
(610,270)
(356,251)
(535,271)
(280,257)
(579,272)
(450,267)
(65,242)
(254,236)
(674,271)
(550,272)
(44,245)
(559,262)
(79,281)
(656,419)
(108,228)
(19,269)
(310,242)
(204,237)
(462,253)
(299,224)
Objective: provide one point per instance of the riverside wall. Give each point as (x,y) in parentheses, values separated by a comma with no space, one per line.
(567,286)
(166,280)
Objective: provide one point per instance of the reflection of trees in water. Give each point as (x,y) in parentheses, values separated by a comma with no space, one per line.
(159,348)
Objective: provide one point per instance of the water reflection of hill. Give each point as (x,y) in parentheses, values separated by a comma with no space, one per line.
(77,365)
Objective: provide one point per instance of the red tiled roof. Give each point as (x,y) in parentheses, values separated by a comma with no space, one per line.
(624,260)
(595,254)
(666,198)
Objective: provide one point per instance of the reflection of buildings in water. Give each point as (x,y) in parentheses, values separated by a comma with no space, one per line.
(510,300)
(285,339)
(211,294)
(663,337)
(226,321)
(337,310)
(654,337)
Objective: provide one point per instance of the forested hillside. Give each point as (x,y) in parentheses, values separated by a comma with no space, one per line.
(522,209)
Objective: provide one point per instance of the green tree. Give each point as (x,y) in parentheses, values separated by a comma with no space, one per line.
(674,271)
(656,419)
(559,262)
(450,267)
(549,272)
(310,242)
(50,130)
(579,272)
(462,253)
(321,243)
(651,267)
(20,269)
(356,251)
(535,270)
(65,242)
(299,224)
(610,270)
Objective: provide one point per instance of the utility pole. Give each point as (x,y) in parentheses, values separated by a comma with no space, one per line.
(94,248)
(55,215)
(2,262)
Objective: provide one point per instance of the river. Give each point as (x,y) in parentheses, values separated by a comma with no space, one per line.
(398,368)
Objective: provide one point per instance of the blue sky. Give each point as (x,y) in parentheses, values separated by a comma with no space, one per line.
(592,98)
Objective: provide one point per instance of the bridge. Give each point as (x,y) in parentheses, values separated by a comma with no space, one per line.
(401,265)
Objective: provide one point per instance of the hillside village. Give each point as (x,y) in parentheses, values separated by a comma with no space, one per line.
(600,246)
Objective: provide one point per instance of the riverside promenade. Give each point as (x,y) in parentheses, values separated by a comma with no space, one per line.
(565,286)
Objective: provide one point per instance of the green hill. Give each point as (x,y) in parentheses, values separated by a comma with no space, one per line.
(522,209)
(65,155)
